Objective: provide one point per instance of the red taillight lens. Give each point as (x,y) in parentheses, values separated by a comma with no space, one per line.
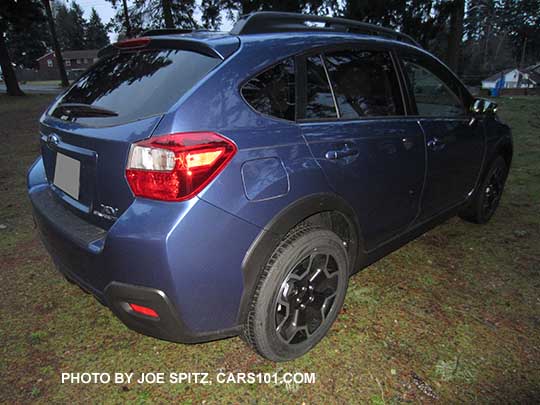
(144,310)
(177,167)
(133,43)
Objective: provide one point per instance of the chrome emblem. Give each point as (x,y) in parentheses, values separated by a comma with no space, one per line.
(52,140)
(107,212)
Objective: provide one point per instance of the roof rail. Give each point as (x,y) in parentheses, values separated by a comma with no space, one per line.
(270,21)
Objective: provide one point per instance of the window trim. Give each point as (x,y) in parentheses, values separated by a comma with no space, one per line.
(330,85)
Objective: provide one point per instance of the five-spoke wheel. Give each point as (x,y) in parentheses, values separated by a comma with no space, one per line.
(306,297)
(299,295)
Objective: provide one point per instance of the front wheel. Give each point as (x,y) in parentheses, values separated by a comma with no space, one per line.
(487,197)
(299,295)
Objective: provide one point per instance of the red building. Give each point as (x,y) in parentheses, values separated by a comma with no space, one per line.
(76,62)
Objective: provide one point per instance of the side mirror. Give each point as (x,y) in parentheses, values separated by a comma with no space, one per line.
(483,106)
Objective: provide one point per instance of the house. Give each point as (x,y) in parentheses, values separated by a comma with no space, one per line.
(514,78)
(75,62)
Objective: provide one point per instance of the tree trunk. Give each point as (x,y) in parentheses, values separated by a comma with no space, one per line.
(56,45)
(12,86)
(129,33)
(456,34)
(167,13)
(523,53)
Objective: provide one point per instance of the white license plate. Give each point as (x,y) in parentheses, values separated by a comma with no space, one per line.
(67,174)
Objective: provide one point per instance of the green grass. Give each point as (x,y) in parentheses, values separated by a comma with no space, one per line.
(454,315)
(44,82)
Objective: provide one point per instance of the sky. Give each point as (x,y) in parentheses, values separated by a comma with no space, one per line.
(106,12)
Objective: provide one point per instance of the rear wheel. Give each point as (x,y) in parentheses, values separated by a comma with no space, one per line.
(299,295)
(487,198)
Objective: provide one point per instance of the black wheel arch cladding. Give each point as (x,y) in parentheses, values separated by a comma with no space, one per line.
(269,238)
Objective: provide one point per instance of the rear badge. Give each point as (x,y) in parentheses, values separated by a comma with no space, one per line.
(107,212)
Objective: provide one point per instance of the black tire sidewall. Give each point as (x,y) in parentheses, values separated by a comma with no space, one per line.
(268,342)
(481,218)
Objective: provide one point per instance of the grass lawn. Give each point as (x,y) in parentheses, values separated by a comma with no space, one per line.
(454,315)
(44,83)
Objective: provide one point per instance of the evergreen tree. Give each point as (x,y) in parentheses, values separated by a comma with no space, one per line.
(15,15)
(31,42)
(62,21)
(70,26)
(149,14)
(96,34)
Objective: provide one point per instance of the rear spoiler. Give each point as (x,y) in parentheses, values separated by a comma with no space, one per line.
(215,48)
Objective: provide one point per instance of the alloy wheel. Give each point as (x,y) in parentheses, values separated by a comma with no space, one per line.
(306,297)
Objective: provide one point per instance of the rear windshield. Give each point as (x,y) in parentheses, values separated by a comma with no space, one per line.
(135,85)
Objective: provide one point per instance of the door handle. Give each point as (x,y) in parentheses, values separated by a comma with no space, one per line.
(340,153)
(435,144)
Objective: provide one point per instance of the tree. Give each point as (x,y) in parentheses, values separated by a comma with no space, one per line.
(166,5)
(149,14)
(27,45)
(456,10)
(70,26)
(211,13)
(122,21)
(15,14)
(12,86)
(56,45)
(96,35)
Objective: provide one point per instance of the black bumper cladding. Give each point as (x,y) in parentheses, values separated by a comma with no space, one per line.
(168,326)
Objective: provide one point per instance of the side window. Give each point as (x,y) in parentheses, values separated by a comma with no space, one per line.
(433,97)
(272,92)
(365,84)
(319,100)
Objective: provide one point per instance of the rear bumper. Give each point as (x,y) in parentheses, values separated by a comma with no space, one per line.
(155,253)
(169,326)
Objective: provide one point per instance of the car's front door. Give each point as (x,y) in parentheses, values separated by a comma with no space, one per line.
(455,142)
(352,116)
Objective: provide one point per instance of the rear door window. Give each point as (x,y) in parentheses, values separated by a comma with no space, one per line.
(272,92)
(136,85)
(365,83)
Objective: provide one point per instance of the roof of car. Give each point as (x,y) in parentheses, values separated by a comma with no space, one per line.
(218,40)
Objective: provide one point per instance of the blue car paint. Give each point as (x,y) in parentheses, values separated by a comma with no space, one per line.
(264,179)
(164,245)
(384,178)
(193,251)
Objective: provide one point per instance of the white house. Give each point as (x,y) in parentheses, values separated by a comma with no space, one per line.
(515,78)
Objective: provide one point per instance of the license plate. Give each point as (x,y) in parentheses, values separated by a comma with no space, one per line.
(67,174)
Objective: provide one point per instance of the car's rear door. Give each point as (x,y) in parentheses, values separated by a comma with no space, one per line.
(455,142)
(352,115)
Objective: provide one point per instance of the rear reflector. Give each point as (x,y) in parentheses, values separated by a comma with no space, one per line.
(177,167)
(144,310)
(133,43)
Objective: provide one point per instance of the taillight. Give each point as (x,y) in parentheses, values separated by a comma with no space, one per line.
(133,43)
(177,167)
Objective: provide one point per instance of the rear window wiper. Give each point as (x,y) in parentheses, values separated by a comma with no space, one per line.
(82,110)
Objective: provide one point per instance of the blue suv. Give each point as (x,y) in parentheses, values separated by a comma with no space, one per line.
(208,184)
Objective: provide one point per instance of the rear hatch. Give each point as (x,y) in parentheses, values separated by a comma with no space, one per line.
(87,133)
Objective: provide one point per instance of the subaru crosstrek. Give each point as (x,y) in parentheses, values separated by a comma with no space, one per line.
(207,184)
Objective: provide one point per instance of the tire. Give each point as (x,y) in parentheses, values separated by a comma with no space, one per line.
(487,197)
(307,277)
